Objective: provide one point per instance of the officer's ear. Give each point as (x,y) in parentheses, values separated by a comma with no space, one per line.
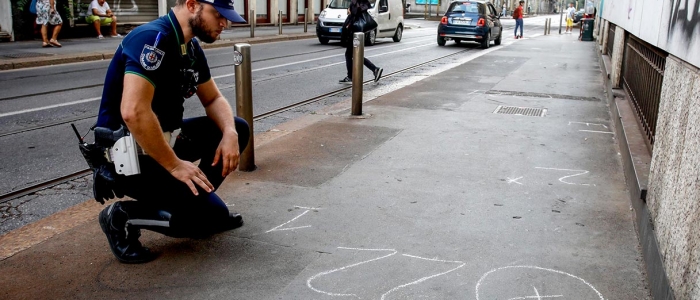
(192,6)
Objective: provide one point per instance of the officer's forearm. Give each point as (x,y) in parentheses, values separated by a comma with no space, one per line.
(146,129)
(220,111)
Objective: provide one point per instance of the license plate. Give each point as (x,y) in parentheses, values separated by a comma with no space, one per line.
(461,22)
(335,29)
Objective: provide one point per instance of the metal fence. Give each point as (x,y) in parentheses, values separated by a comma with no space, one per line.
(611,38)
(642,76)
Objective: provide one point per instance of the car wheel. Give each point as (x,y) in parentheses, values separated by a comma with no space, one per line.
(498,40)
(323,41)
(458,42)
(371,38)
(398,34)
(486,41)
(441,41)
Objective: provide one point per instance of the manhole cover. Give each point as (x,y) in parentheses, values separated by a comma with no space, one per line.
(523,111)
(25,55)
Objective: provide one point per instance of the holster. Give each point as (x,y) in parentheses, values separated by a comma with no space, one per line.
(104,175)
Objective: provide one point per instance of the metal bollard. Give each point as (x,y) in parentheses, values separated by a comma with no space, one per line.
(251,20)
(306,16)
(545,25)
(280,21)
(549,27)
(358,59)
(244,101)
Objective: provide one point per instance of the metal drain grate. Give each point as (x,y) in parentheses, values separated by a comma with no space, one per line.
(25,55)
(523,111)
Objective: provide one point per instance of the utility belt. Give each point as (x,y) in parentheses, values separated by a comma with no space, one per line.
(120,148)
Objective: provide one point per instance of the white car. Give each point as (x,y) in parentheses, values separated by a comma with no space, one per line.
(388,15)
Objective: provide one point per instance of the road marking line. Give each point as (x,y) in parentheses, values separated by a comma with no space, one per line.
(48,107)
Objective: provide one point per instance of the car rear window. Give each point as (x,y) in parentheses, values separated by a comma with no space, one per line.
(467,7)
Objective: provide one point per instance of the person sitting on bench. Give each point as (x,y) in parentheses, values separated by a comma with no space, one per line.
(99,14)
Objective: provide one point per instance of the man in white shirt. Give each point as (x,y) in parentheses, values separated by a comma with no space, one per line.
(99,14)
(570,12)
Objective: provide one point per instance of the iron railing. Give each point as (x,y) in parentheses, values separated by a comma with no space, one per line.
(611,38)
(642,77)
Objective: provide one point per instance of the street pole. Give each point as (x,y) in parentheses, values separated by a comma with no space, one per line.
(280,22)
(358,59)
(561,14)
(244,101)
(251,20)
(306,16)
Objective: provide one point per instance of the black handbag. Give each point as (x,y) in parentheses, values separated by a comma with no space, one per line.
(364,23)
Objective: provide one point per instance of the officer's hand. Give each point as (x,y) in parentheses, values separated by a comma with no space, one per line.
(228,152)
(190,174)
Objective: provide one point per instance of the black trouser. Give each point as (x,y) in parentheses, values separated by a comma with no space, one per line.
(348,60)
(157,191)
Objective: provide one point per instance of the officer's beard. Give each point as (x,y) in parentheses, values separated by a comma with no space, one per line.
(199,28)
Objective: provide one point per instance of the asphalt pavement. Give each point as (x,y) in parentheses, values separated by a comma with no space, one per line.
(26,54)
(496,179)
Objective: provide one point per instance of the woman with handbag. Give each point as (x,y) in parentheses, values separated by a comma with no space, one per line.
(357,11)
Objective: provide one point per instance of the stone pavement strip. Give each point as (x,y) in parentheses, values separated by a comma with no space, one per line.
(431,195)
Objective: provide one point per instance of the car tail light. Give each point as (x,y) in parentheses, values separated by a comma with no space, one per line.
(481,22)
(443,20)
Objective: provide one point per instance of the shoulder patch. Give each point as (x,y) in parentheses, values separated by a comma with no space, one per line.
(151,57)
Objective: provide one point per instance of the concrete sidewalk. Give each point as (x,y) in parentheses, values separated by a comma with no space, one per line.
(431,195)
(25,54)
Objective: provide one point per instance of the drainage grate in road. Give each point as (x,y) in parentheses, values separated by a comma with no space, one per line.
(523,111)
(25,54)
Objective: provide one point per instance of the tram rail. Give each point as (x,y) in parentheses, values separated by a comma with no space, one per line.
(9,196)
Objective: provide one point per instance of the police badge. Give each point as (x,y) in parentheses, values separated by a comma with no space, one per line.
(151,57)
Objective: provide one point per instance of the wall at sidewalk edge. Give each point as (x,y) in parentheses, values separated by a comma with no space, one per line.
(674,178)
(629,130)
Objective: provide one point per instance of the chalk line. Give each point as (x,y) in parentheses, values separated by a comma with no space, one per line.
(583,172)
(588,124)
(290,221)
(536,268)
(424,278)
(595,131)
(514,180)
(308,281)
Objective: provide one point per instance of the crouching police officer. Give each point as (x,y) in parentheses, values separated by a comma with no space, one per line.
(154,69)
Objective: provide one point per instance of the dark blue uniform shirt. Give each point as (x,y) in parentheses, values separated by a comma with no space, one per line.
(155,51)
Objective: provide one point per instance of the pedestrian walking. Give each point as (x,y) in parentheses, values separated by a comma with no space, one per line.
(504,10)
(46,15)
(570,12)
(154,69)
(356,8)
(518,16)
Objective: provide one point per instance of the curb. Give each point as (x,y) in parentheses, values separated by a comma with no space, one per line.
(22,63)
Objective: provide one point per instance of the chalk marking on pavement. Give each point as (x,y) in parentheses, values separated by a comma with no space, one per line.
(536,268)
(537,296)
(583,172)
(309,208)
(312,278)
(588,124)
(595,131)
(514,180)
(290,221)
(424,278)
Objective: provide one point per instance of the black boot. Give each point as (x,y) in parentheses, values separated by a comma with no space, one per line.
(123,239)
